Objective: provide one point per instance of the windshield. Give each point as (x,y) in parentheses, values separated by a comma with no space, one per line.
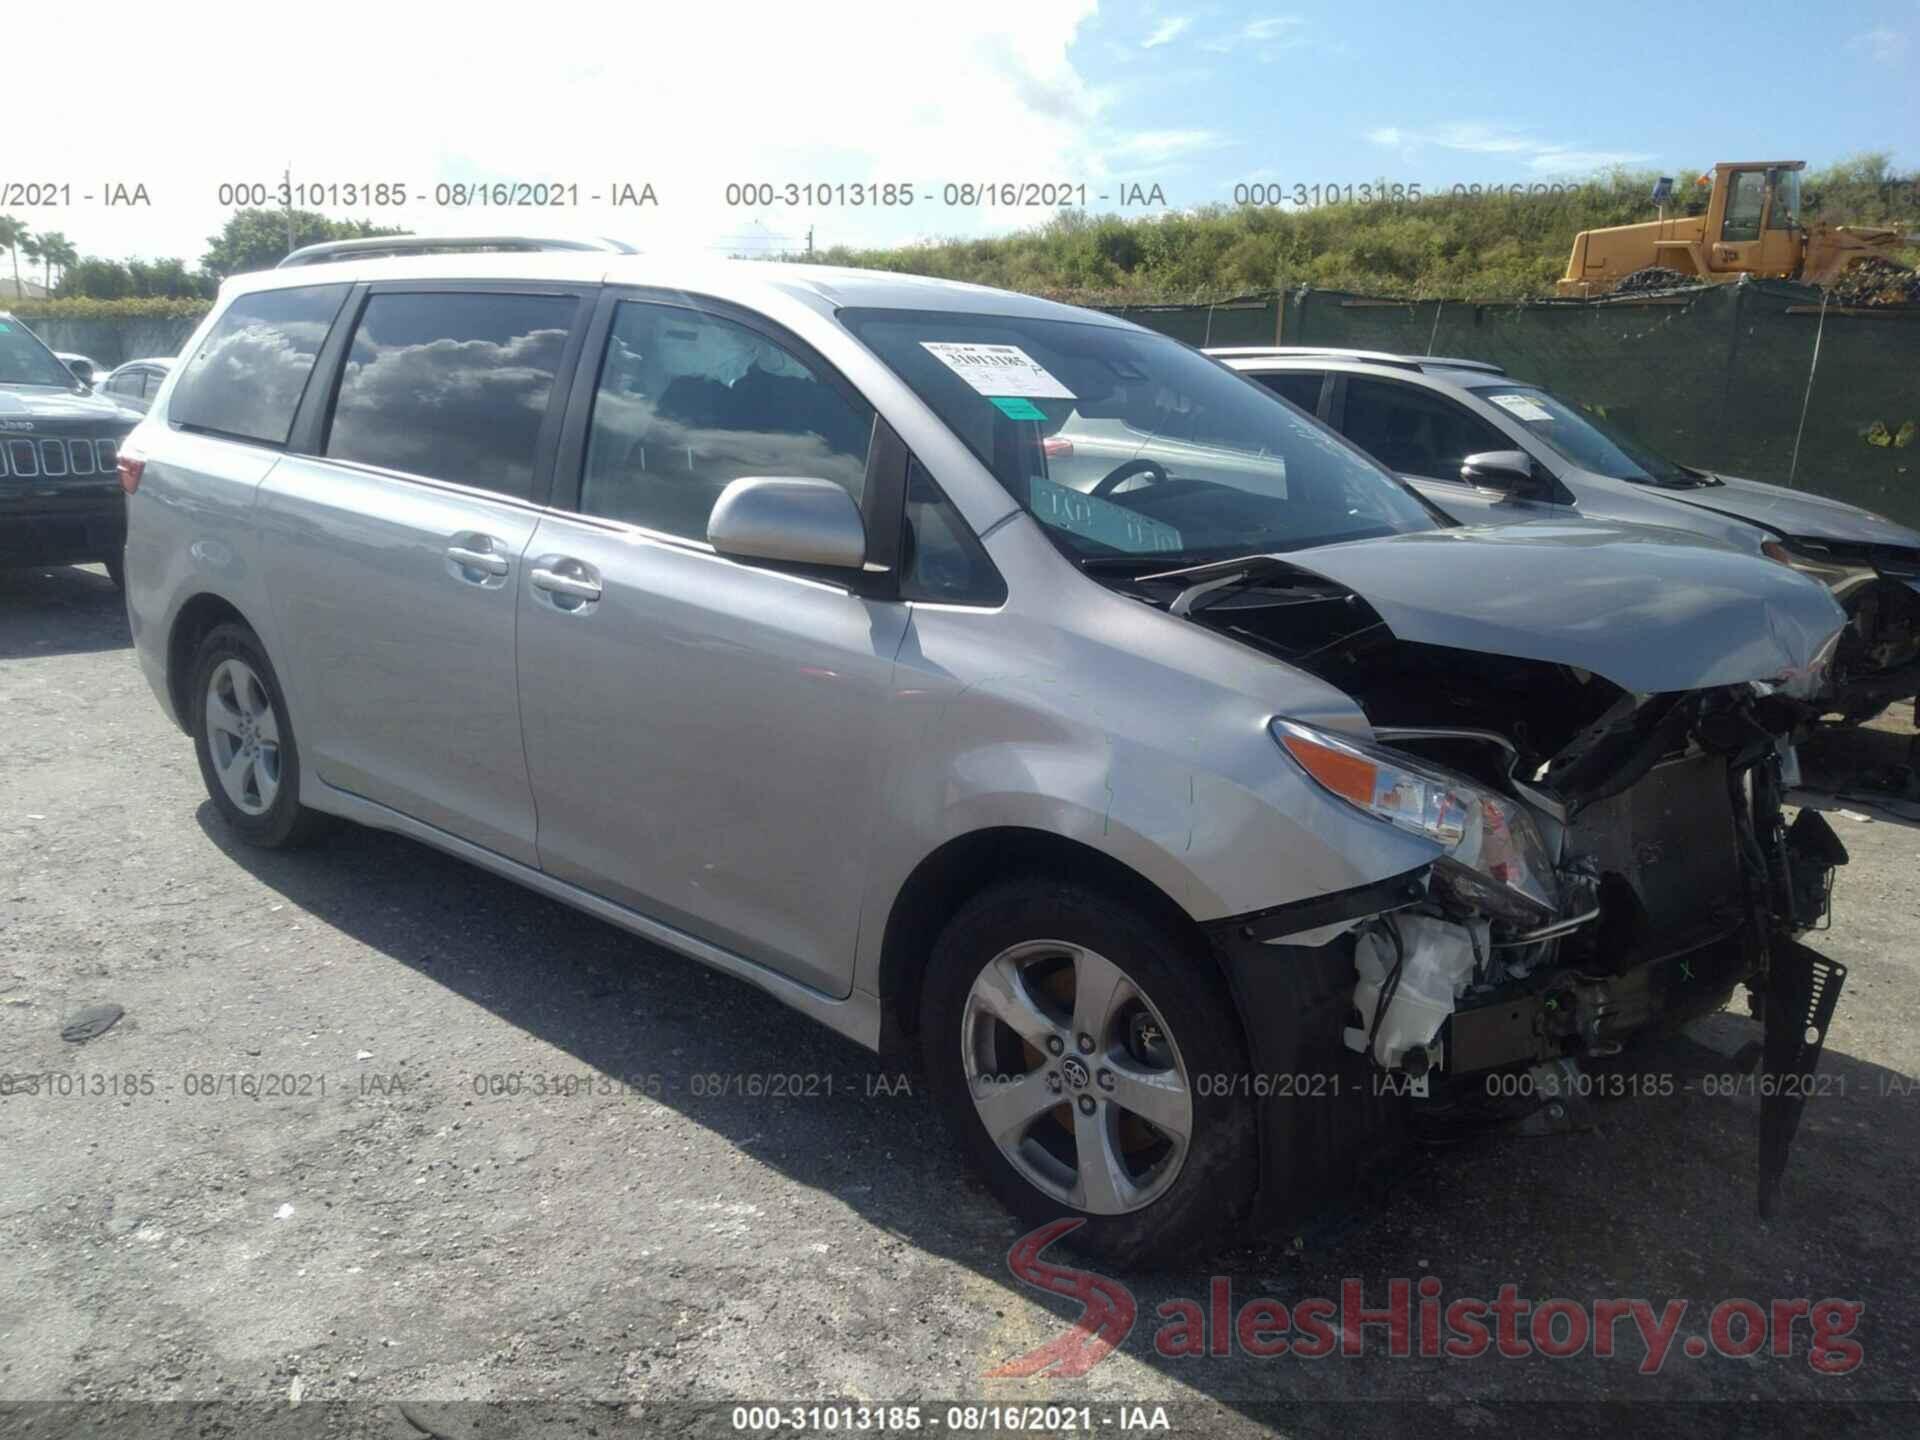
(1124,443)
(25,361)
(1587,440)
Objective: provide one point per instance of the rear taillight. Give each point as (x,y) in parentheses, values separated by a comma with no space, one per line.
(1057,448)
(131,468)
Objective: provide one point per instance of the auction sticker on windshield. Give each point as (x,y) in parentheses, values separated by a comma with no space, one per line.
(1522,406)
(997,369)
(1114,526)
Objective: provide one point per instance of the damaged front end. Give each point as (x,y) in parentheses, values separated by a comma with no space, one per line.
(1607,862)
(1878,660)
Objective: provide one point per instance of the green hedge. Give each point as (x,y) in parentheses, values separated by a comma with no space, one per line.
(151,308)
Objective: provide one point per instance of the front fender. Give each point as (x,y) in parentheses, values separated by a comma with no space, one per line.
(1172,775)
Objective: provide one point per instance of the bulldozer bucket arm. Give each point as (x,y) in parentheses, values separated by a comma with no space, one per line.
(1830,249)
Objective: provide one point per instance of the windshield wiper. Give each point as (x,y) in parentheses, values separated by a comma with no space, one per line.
(1203,584)
(1126,564)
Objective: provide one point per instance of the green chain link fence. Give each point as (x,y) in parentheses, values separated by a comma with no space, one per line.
(1760,379)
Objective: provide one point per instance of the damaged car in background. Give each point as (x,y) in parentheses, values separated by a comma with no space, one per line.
(995,680)
(1489,448)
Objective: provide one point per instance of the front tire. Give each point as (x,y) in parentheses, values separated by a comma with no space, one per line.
(244,740)
(1084,1052)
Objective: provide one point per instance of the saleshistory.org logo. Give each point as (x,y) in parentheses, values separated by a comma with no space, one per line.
(1416,1320)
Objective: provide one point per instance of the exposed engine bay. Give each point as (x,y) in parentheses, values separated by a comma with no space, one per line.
(1635,868)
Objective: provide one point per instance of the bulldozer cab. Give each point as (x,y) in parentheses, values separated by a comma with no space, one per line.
(1753,218)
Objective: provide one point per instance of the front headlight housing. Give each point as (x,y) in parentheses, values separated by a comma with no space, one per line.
(1492,854)
(1837,575)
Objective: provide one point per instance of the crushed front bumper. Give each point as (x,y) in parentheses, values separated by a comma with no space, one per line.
(1697,885)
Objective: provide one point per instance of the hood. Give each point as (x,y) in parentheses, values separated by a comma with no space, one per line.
(33,410)
(1649,610)
(1795,512)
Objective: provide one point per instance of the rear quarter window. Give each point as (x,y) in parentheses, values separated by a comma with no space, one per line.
(1302,387)
(246,379)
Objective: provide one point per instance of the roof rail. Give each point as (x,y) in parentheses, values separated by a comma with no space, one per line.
(1338,352)
(382,246)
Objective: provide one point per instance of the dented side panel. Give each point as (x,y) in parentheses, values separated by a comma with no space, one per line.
(1141,736)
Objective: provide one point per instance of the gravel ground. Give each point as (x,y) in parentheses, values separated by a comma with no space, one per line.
(357,1217)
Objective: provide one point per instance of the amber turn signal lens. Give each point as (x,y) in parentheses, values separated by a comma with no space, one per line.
(1348,776)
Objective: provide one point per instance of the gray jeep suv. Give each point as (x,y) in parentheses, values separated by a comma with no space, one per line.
(1202,826)
(60,500)
(1423,416)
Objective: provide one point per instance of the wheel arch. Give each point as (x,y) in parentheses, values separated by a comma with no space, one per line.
(195,619)
(950,875)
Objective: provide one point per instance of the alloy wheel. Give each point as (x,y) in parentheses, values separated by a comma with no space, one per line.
(243,736)
(1076,1076)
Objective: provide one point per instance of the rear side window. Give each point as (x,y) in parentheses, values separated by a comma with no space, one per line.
(246,378)
(1415,432)
(451,386)
(1302,387)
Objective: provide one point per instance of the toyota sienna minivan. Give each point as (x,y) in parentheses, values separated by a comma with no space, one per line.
(1202,827)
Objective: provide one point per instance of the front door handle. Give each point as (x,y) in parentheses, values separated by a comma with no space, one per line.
(570,584)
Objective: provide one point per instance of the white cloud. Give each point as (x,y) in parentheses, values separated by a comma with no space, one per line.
(1543,157)
(1273,32)
(1153,146)
(1584,162)
(1883,46)
(1480,139)
(1166,32)
(687,98)
(1271,27)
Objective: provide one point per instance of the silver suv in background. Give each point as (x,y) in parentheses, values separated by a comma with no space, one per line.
(134,385)
(1201,829)
(1538,454)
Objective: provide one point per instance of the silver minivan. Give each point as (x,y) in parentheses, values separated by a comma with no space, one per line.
(1203,829)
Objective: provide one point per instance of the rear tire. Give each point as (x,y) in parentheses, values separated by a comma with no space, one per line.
(244,740)
(1086,1056)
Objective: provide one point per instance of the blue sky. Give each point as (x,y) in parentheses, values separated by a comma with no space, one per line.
(695,100)
(1483,94)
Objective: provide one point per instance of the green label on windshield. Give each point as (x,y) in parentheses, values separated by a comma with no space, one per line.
(1018,407)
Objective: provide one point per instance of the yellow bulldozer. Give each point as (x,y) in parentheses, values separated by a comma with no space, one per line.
(1750,226)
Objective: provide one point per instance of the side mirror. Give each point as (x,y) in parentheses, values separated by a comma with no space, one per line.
(1506,472)
(785,518)
(82,371)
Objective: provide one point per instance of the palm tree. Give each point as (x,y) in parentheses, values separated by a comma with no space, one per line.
(57,252)
(12,232)
(30,247)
